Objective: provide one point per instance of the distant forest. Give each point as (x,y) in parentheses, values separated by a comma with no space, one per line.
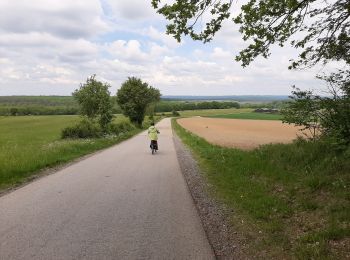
(238,98)
(66,105)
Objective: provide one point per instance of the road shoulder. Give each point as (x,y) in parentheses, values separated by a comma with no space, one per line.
(225,241)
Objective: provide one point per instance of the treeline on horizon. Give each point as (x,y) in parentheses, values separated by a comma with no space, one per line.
(237,98)
(66,105)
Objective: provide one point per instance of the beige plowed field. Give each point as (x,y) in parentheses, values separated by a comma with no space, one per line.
(244,134)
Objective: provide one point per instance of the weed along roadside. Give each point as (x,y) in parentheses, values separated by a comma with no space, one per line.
(31,145)
(290,201)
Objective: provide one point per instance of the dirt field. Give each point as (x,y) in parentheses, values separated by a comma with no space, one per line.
(244,134)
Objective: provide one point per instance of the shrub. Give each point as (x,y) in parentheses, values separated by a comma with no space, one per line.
(120,128)
(175,113)
(149,120)
(13,111)
(84,129)
(147,123)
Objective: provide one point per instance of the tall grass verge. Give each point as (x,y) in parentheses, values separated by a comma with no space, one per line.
(291,201)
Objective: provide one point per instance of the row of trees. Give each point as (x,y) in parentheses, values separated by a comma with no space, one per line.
(169,106)
(37,110)
(159,107)
(133,97)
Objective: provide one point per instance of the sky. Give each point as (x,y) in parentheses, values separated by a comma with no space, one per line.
(51,47)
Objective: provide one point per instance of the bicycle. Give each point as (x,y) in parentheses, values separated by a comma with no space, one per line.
(154,146)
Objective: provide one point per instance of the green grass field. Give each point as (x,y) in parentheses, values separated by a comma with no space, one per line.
(289,201)
(214,112)
(250,115)
(30,143)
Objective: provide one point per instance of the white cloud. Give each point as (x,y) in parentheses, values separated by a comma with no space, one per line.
(127,50)
(45,46)
(162,37)
(219,53)
(132,9)
(49,48)
(158,50)
(63,18)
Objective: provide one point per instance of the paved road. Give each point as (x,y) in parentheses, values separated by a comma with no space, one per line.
(122,203)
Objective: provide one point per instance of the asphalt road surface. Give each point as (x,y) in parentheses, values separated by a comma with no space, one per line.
(122,203)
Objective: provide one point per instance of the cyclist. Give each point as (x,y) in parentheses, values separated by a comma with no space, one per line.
(153,135)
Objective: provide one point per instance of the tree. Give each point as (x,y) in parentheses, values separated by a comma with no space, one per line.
(304,110)
(95,101)
(134,96)
(329,115)
(324,26)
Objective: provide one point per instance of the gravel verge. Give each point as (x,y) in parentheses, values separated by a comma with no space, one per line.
(225,241)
